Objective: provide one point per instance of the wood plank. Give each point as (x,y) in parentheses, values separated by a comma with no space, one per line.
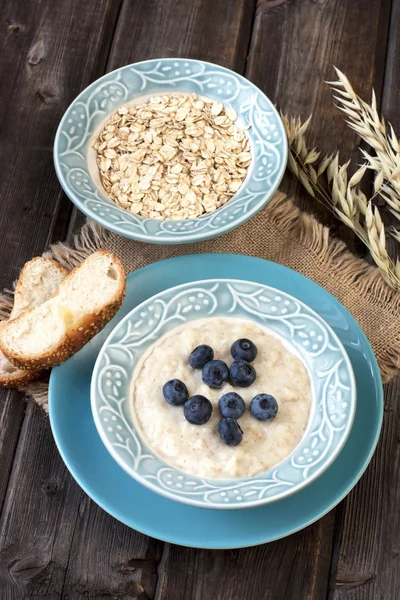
(12,410)
(283,569)
(214,31)
(109,560)
(309,38)
(38,517)
(294,48)
(367,542)
(391,87)
(49,52)
(367,549)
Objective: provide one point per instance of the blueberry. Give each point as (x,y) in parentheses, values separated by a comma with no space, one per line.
(264,407)
(215,373)
(231,405)
(230,432)
(175,392)
(197,410)
(200,356)
(242,373)
(244,349)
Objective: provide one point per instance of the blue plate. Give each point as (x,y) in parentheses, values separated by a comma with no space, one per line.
(121,496)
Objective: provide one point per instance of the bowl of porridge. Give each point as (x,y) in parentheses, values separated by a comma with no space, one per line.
(223,394)
(170,150)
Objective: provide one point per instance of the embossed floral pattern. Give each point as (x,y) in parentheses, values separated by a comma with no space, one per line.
(84,117)
(327,362)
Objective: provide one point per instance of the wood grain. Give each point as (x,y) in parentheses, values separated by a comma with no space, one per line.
(208,30)
(107,559)
(48,52)
(293,50)
(12,410)
(35,88)
(284,569)
(367,546)
(39,515)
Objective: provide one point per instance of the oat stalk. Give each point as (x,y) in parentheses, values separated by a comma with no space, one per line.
(328,182)
(380,136)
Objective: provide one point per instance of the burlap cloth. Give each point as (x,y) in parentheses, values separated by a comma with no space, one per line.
(283,234)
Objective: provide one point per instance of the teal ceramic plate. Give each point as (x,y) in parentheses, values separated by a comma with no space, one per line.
(75,160)
(117,493)
(303,330)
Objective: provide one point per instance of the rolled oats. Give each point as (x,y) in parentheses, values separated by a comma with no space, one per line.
(174,157)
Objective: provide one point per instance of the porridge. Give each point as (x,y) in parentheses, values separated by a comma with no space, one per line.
(198,449)
(174,157)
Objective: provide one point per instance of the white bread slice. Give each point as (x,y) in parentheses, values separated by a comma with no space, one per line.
(38,280)
(84,302)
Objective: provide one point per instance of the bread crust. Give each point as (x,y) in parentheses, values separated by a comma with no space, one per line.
(78,334)
(21,377)
(18,378)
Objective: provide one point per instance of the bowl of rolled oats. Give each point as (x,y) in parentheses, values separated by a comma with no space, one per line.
(170,151)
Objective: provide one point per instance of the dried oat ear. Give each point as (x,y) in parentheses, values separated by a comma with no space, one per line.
(174,157)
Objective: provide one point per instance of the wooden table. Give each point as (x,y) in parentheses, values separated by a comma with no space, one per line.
(54,541)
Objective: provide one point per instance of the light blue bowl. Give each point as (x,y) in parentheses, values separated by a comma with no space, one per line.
(76,167)
(333,386)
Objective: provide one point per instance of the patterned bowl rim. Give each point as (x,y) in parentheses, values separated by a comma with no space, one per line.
(168,493)
(203,234)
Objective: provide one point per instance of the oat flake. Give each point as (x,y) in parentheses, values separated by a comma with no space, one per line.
(174,157)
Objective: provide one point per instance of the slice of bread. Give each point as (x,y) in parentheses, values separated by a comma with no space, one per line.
(84,302)
(38,280)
